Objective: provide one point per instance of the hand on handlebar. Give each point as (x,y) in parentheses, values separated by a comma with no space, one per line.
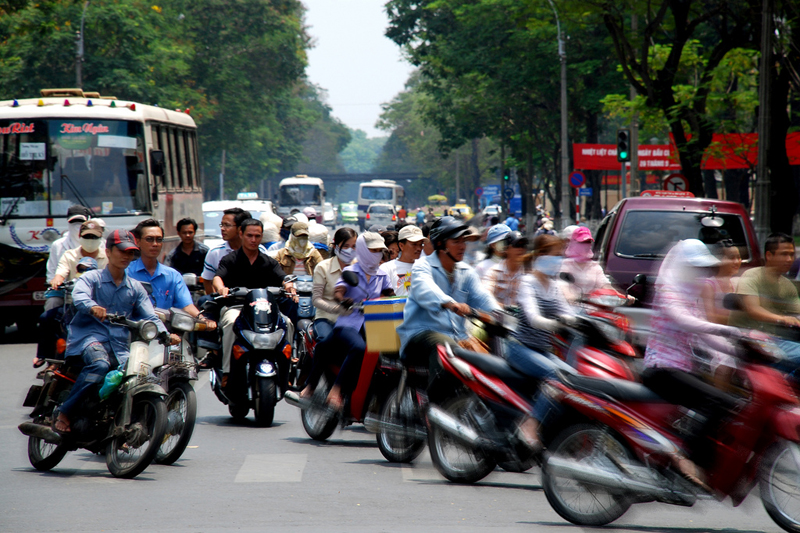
(99,312)
(290,290)
(224,291)
(174,339)
(56,281)
(461,309)
(789,321)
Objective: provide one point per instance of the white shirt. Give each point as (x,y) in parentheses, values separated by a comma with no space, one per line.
(399,275)
(214,256)
(484,266)
(57,249)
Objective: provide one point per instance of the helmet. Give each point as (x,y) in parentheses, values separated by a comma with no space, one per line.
(496,233)
(446,228)
(515,238)
(310,212)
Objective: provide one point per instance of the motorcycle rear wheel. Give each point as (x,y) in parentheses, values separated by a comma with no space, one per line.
(580,503)
(780,485)
(265,398)
(181,416)
(128,454)
(454,460)
(43,455)
(396,448)
(318,420)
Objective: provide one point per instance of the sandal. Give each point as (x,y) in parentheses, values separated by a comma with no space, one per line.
(38,362)
(690,471)
(65,424)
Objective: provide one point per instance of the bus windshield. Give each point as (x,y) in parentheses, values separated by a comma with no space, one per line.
(301,195)
(377,193)
(46,165)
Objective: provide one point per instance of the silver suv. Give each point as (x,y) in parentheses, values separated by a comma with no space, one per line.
(380,214)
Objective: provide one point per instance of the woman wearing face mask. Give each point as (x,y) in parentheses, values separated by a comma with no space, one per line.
(588,274)
(495,249)
(346,344)
(299,256)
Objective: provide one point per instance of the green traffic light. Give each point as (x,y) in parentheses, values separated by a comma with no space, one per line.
(623,155)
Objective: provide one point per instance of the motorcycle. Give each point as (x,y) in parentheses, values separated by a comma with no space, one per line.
(261,355)
(129,425)
(302,343)
(176,367)
(618,438)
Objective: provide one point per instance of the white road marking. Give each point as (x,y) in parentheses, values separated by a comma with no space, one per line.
(272,468)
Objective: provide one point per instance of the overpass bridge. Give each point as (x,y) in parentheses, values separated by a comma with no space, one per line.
(357,177)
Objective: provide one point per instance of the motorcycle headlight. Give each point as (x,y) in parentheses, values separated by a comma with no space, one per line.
(263,341)
(148,331)
(182,322)
(304,285)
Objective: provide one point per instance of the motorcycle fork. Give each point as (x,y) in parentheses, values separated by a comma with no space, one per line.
(401,387)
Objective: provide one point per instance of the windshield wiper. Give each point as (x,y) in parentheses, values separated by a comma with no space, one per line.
(66,179)
(8,211)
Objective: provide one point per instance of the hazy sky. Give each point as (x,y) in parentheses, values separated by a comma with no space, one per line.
(353,60)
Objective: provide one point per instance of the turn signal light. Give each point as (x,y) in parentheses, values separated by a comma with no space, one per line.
(287,351)
(61,346)
(66,103)
(238,351)
(132,107)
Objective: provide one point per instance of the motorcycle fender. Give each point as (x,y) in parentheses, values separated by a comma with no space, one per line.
(786,423)
(148,388)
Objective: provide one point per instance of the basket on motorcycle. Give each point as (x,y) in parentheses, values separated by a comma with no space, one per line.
(382,317)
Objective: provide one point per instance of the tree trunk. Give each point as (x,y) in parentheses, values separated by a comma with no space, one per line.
(474,160)
(710,184)
(783,199)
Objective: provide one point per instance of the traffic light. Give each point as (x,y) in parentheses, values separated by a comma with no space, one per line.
(623,145)
(506,177)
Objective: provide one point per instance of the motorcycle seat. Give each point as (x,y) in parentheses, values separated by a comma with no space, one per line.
(498,367)
(619,389)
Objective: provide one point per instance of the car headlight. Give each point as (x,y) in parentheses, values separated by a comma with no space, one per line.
(148,331)
(263,341)
(182,322)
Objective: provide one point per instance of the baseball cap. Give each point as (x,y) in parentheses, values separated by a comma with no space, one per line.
(300,228)
(91,227)
(411,234)
(697,254)
(78,213)
(497,233)
(374,241)
(122,239)
(86,264)
(582,234)
(567,232)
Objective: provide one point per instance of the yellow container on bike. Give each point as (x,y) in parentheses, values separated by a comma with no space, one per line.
(382,317)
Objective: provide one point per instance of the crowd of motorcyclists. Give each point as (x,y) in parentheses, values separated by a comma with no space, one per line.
(447,270)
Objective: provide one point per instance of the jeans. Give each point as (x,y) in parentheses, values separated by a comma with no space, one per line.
(345,347)
(537,366)
(96,364)
(322,328)
(791,364)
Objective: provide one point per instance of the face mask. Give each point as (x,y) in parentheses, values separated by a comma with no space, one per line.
(500,246)
(549,265)
(368,260)
(580,251)
(90,245)
(302,242)
(346,254)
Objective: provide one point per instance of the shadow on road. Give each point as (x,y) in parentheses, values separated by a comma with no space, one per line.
(228,421)
(330,442)
(647,529)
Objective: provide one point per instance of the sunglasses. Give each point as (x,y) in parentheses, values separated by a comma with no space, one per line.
(151,240)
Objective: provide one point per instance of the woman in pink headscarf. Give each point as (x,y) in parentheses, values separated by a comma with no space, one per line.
(579,262)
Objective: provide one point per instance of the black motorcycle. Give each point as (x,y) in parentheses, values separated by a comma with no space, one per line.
(128,425)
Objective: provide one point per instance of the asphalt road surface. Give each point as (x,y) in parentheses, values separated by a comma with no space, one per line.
(243,478)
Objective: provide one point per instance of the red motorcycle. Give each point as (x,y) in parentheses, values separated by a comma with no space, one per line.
(618,438)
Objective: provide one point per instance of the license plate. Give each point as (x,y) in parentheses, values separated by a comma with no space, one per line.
(39,296)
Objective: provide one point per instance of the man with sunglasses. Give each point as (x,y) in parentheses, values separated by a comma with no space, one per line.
(169,290)
(232,218)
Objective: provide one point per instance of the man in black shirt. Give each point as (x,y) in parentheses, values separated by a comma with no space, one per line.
(247,267)
(188,257)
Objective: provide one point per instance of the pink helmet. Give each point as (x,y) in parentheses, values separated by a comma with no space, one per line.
(310,212)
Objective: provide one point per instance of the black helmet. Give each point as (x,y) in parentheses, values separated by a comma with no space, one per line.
(517,239)
(446,228)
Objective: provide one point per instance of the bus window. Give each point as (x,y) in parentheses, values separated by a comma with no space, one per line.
(377,193)
(191,166)
(300,195)
(180,151)
(164,144)
(172,160)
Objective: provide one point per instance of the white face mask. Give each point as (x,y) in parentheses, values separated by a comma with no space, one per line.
(346,254)
(75,229)
(90,245)
(302,242)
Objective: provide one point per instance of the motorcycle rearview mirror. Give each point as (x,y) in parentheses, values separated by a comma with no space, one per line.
(732,302)
(190,279)
(147,287)
(566,276)
(639,279)
(350,277)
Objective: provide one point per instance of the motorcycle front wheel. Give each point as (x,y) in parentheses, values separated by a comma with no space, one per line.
(128,454)
(318,420)
(264,394)
(405,413)
(456,461)
(181,415)
(582,503)
(43,455)
(780,485)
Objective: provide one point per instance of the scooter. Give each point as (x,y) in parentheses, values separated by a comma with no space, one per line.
(129,425)
(302,345)
(616,449)
(261,355)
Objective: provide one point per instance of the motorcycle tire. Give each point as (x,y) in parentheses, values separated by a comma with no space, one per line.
(780,471)
(181,416)
(602,506)
(128,454)
(469,465)
(43,455)
(264,395)
(238,412)
(397,448)
(318,420)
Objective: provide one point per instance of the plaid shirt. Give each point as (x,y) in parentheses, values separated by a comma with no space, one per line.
(504,285)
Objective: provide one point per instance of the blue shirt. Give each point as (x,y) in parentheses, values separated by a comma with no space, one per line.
(97,288)
(430,289)
(512,223)
(365,290)
(169,290)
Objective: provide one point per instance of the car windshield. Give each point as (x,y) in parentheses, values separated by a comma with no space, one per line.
(349,208)
(650,234)
(47,165)
(380,210)
(300,195)
(377,193)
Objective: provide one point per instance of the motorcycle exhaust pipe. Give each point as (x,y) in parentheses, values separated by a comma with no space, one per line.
(598,476)
(375,425)
(40,432)
(453,427)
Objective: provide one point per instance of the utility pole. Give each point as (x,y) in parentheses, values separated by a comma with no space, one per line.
(635,124)
(763,186)
(458,191)
(79,54)
(222,177)
(565,193)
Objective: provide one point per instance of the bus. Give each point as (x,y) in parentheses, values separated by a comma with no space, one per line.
(378,191)
(299,192)
(123,160)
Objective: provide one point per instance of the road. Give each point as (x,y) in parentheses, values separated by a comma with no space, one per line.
(243,478)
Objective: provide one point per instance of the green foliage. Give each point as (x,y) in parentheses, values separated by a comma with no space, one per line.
(362,152)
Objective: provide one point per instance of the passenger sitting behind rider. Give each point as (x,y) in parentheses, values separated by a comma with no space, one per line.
(347,340)
(100,345)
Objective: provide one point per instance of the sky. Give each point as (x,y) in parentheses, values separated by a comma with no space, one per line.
(353,61)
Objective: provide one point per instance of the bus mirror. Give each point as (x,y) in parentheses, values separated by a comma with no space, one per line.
(157,166)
